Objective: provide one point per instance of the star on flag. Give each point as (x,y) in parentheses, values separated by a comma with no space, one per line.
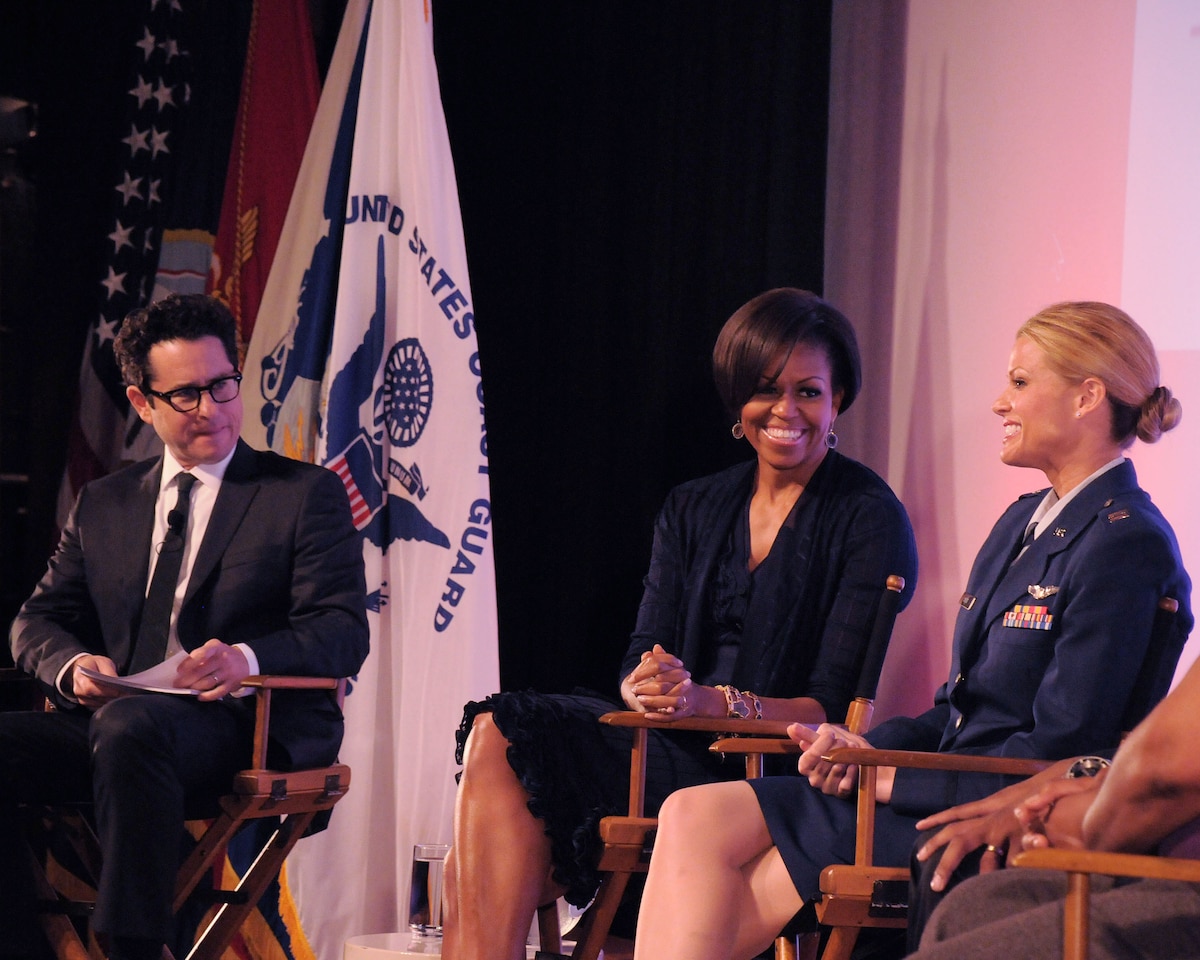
(130,187)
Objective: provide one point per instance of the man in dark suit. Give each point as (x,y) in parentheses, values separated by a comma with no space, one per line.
(269,580)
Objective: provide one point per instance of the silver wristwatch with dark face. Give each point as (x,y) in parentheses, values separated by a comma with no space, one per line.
(1085,767)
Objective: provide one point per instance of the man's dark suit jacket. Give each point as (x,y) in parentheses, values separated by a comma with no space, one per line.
(280,569)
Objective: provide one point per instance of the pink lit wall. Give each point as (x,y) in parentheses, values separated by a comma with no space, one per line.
(1048,150)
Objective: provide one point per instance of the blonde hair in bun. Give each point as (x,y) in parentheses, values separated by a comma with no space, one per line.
(1086,338)
(1160,412)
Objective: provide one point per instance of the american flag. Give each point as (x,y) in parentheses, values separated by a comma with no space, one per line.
(106,432)
(353,463)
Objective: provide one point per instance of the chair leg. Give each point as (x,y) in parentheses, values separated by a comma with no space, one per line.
(800,946)
(841,943)
(198,862)
(808,945)
(58,929)
(599,917)
(1075,917)
(549,931)
(229,916)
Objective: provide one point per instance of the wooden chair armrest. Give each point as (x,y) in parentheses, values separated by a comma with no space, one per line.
(870,757)
(626,830)
(729,725)
(763,745)
(1109,864)
(272,682)
(641,726)
(263,685)
(922,760)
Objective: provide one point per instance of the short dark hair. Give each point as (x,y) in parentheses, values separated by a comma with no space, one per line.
(180,316)
(777,321)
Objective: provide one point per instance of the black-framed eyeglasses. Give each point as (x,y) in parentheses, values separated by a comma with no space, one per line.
(187,399)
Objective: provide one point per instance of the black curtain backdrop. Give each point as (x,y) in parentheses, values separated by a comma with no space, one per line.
(629,174)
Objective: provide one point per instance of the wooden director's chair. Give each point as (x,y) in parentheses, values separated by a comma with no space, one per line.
(1080,865)
(861,894)
(296,797)
(628,840)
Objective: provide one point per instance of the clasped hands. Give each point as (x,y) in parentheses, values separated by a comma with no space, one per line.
(1044,811)
(215,669)
(834,779)
(661,687)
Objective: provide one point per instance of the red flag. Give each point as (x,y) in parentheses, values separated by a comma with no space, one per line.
(279,95)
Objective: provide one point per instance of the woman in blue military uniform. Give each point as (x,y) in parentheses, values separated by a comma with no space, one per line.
(1052,630)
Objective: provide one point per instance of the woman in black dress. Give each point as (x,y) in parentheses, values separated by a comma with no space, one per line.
(763,585)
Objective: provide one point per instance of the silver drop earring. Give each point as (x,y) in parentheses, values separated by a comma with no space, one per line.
(738,430)
(831,439)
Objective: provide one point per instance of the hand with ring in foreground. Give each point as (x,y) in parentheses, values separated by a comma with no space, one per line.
(660,686)
(679,702)
(215,669)
(990,823)
(1053,817)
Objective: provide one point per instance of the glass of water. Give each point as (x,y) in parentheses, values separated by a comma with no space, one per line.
(425,893)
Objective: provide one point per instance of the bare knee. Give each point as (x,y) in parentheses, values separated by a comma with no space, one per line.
(489,787)
(486,750)
(724,816)
(684,813)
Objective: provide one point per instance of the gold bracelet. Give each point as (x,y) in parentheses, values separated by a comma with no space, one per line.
(755,701)
(735,702)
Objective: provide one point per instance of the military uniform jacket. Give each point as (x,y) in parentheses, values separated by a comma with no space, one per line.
(1047,651)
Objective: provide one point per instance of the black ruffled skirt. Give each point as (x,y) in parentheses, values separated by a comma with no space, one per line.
(576,771)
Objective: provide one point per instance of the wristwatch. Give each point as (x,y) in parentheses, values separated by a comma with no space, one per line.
(1085,767)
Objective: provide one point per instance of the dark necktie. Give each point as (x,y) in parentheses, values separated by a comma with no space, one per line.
(1025,542)
(151,645)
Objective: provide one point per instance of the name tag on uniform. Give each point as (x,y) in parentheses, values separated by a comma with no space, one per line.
(1027,616)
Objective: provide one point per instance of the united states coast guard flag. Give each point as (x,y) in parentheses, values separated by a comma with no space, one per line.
(364,359)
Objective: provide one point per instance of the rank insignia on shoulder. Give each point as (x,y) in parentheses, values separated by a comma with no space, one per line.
(1038,592)
(1117,515)
(966,601)
(1029,617)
